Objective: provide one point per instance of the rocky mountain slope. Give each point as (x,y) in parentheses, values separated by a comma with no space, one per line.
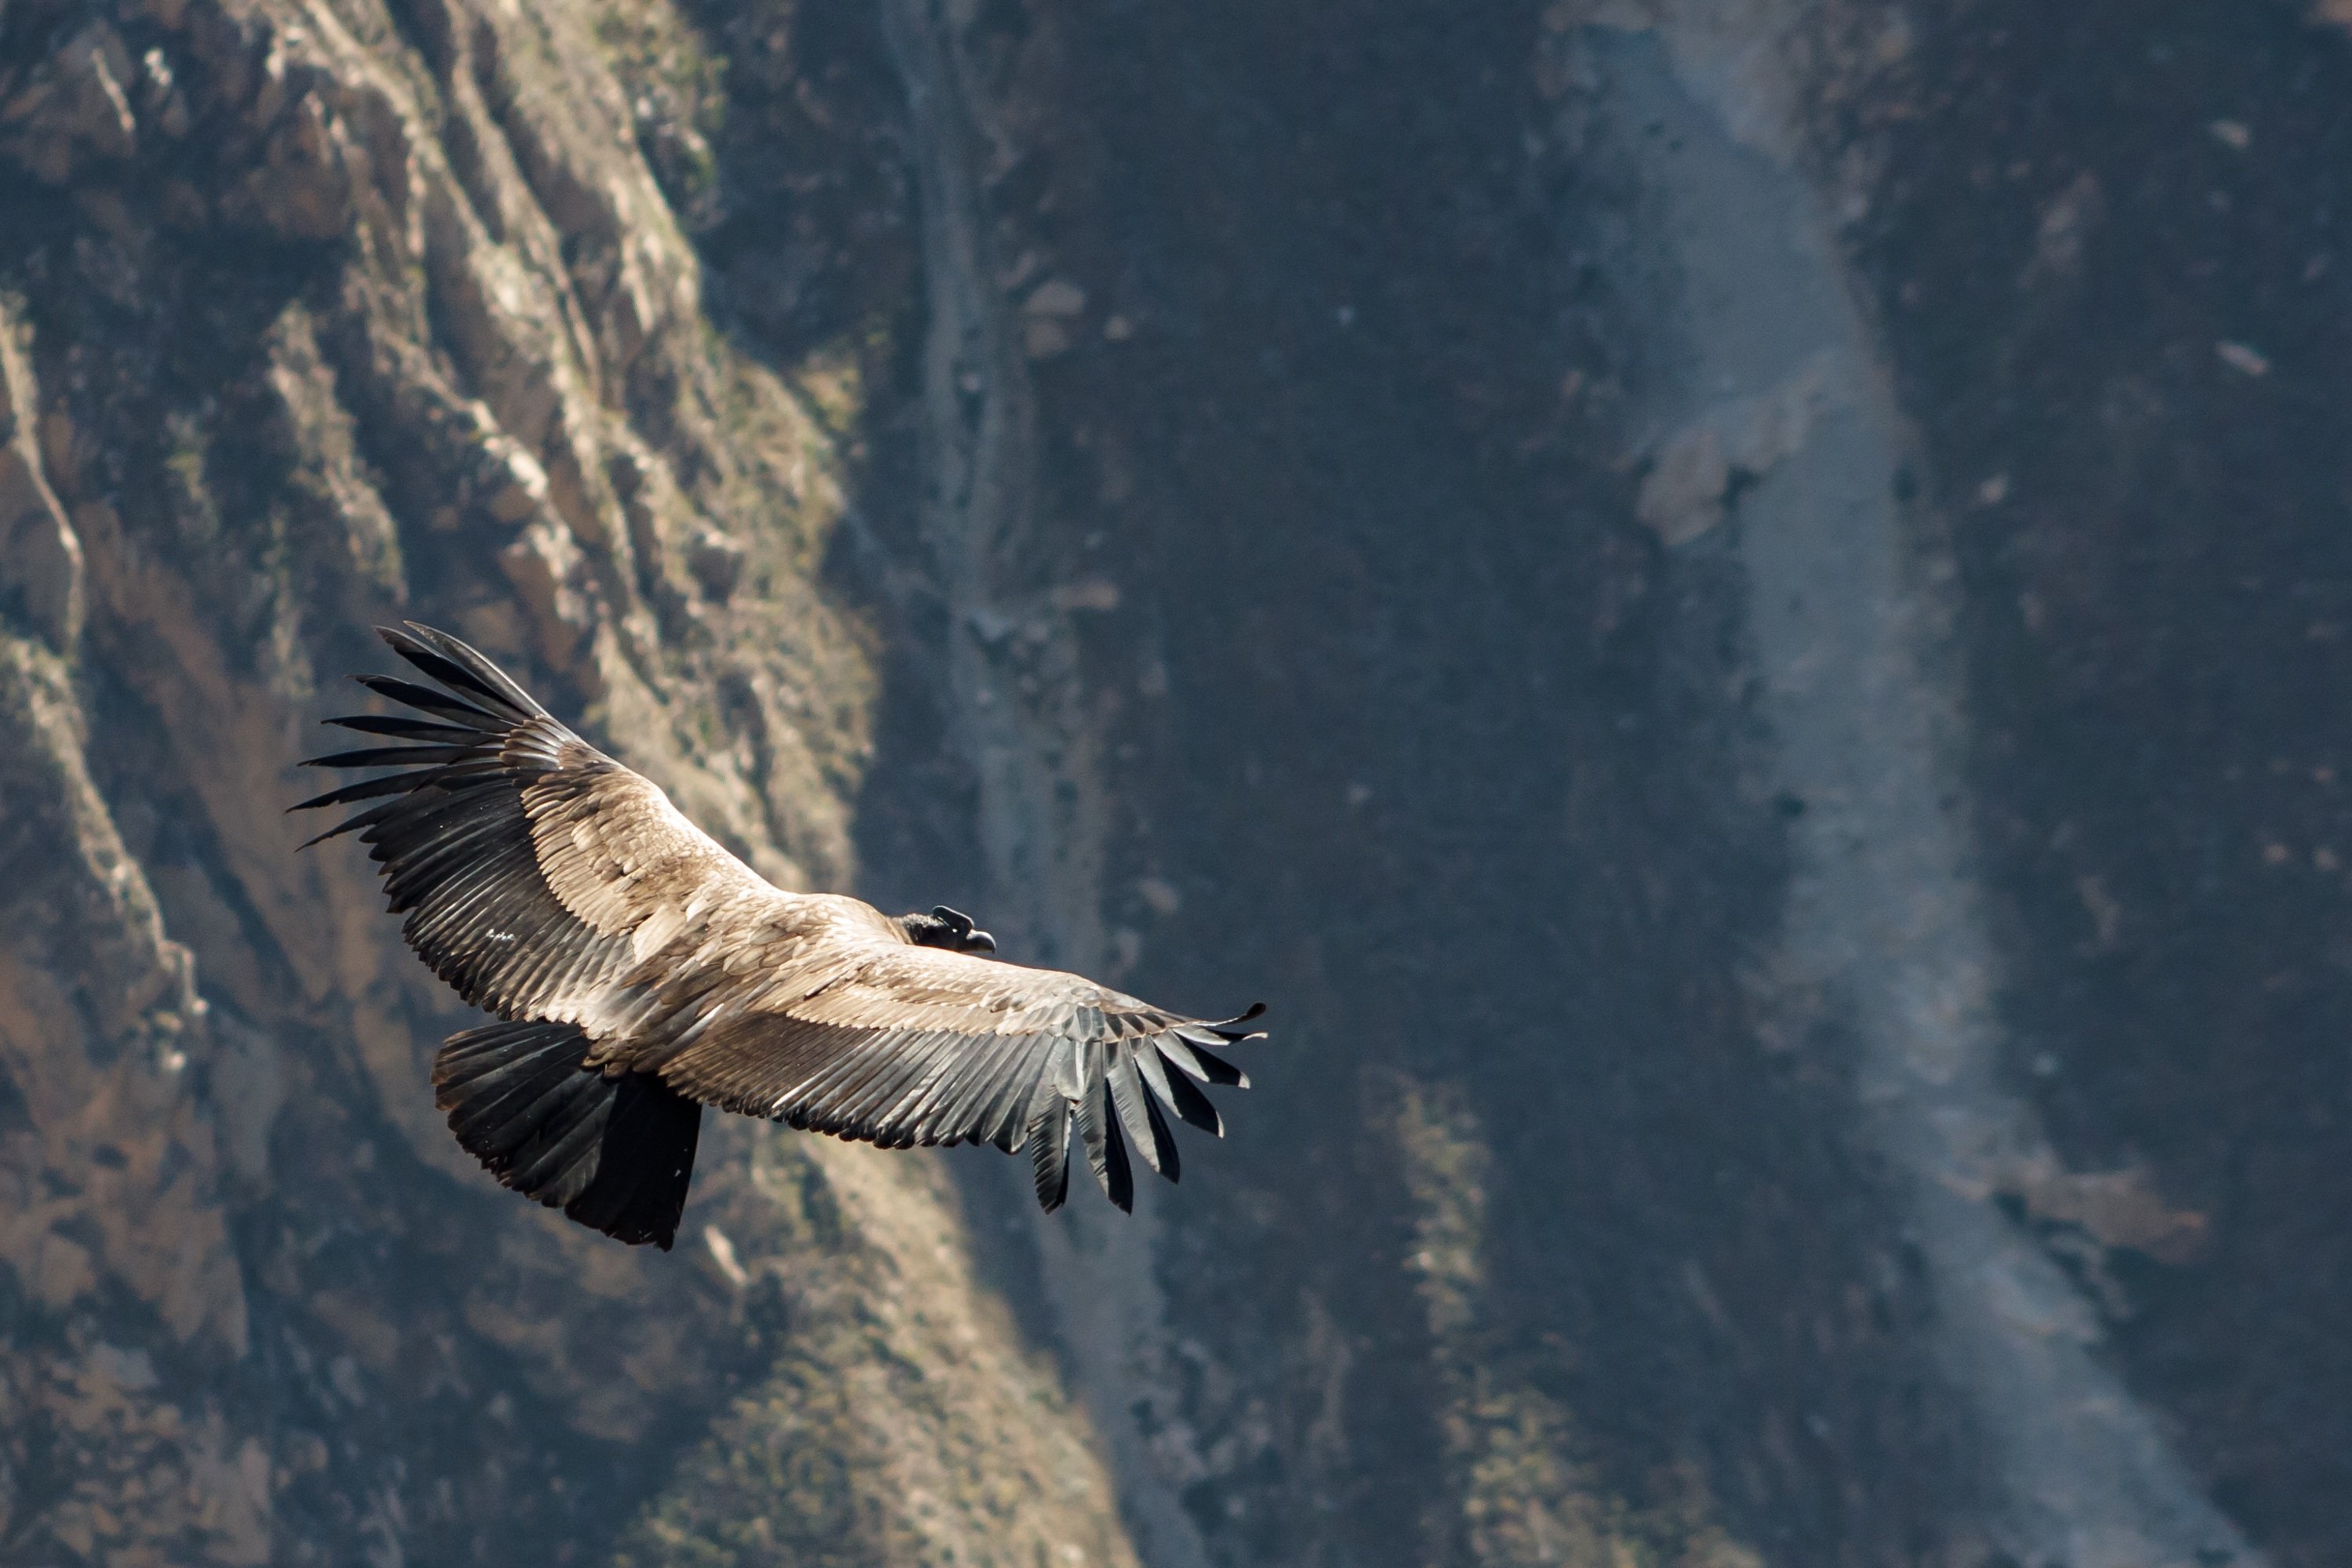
(322,316)
(1731,610)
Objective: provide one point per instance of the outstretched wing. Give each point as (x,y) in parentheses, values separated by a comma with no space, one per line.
(537,874)
(900,1045)
(545,881)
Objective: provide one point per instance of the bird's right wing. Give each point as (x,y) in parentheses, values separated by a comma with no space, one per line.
(537,874)
(899,1046)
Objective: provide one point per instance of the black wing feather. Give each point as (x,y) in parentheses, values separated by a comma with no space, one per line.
(415,729)
(1165,1159)
(1049,1149)
(475,676)
(426,699)
(1194,1107)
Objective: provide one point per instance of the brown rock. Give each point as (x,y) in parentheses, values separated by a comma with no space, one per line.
(40,559)
(75,109)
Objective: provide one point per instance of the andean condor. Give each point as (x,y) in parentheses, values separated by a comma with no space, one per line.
(641,972)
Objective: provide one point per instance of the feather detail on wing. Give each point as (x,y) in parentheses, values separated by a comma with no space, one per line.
(535,871)
(900,1045)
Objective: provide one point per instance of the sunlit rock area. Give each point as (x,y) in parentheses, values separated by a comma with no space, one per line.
(1735,613)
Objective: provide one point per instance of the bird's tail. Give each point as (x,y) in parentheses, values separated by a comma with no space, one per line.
(616,1153)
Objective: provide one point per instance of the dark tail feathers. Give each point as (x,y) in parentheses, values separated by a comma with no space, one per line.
(615,1154)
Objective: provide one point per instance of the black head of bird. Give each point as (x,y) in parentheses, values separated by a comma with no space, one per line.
(950,929)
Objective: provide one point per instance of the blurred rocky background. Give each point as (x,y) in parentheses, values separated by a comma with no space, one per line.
(1736,612)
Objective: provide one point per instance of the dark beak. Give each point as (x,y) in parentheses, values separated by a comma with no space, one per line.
(977,942)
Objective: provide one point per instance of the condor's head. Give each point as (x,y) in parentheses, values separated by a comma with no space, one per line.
(950,929)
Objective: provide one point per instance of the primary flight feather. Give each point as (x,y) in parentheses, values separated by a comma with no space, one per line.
(641,972)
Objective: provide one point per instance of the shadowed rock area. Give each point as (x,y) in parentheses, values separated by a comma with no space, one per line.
(1730,610)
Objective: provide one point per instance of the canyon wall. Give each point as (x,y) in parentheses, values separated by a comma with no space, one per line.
(1730,610)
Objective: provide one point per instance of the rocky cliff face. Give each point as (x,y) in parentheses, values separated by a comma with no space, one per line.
(1725,607)
(316,316)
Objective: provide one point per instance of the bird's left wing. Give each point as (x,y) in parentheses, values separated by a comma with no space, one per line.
(895,1045)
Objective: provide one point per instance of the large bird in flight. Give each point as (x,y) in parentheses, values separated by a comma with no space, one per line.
(641,972)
